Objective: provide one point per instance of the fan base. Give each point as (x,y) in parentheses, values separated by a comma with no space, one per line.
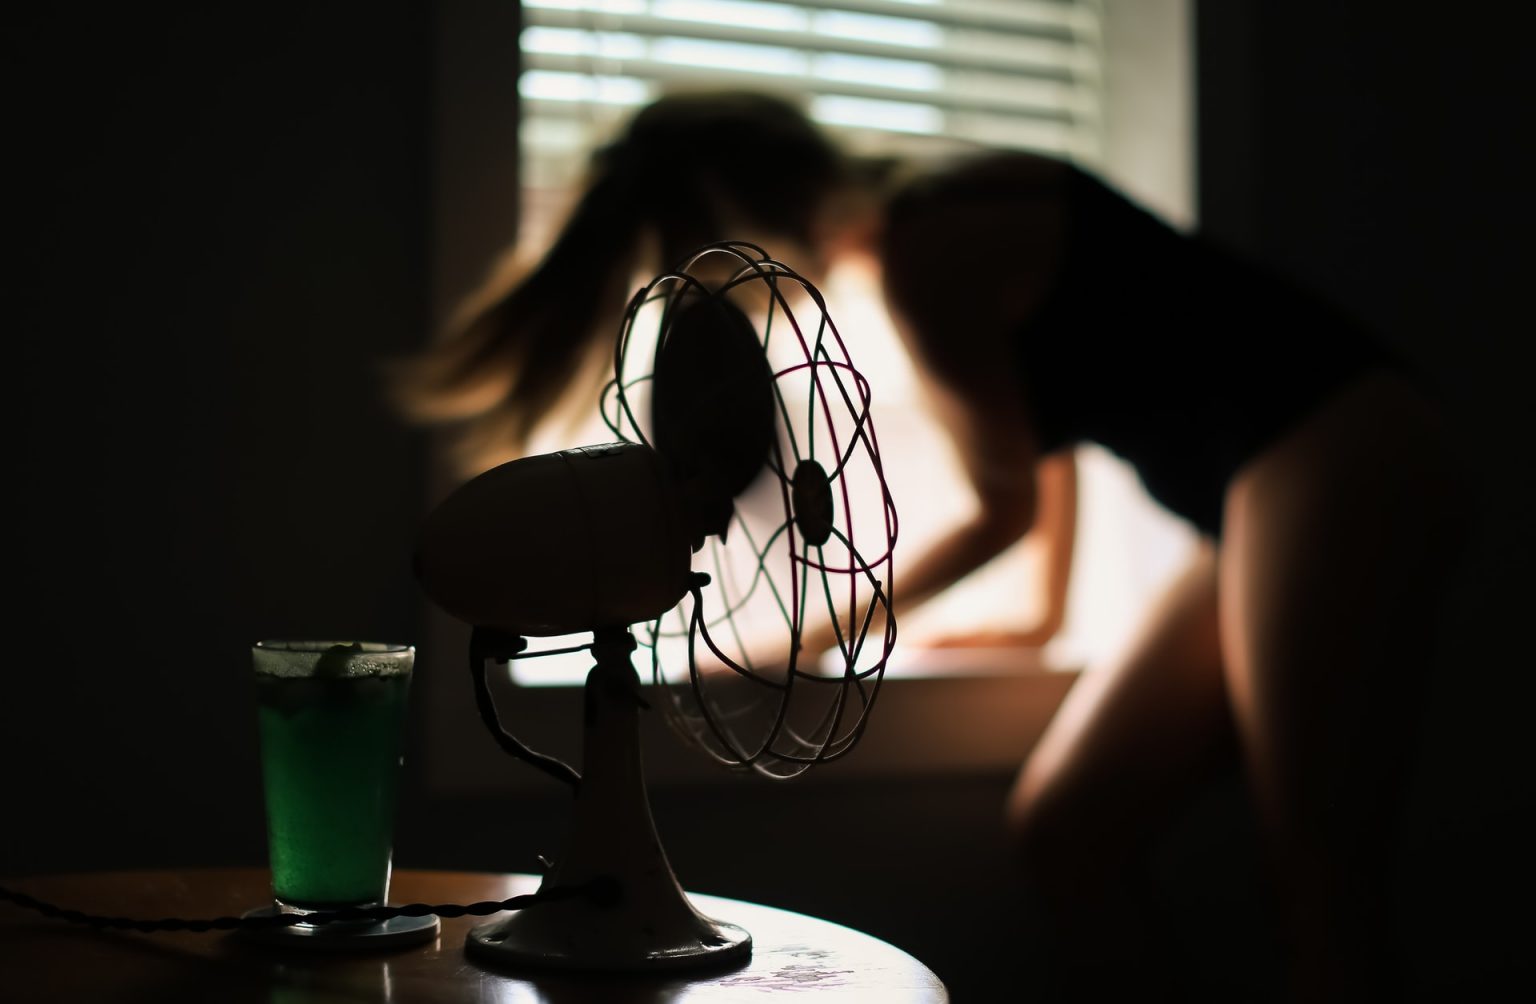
(524,941)
(647,924)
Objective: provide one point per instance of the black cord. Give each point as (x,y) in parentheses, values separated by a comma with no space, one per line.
(600,892)
(486,643)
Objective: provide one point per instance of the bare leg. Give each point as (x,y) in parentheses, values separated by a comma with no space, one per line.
(1331,553)
(1125,747)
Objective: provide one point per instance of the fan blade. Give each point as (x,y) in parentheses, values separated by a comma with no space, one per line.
(712,405)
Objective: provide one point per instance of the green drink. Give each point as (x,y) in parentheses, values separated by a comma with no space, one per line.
(331,718)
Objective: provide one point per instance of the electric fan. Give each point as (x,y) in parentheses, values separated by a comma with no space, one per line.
(745,447)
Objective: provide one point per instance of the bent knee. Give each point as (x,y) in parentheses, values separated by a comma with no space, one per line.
(1026,814)
(1057,842)
(1074,839)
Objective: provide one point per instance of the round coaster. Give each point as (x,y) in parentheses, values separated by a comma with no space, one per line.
(370,936)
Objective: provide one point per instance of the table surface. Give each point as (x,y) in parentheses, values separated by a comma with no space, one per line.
(44,959)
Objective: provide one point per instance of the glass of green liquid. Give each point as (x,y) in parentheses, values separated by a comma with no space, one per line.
(331,719)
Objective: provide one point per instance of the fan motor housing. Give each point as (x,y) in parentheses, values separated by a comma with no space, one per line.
(559,543)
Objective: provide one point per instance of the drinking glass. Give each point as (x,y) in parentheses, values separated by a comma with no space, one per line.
(331,720)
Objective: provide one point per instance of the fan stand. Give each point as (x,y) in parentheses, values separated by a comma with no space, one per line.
(648,924)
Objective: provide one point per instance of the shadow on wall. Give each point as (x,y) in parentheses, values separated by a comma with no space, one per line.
(224,222)
(1388,180)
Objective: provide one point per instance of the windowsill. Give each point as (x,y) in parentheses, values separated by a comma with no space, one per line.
(919,662)
(950,711)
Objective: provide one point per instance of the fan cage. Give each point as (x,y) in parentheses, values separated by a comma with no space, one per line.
(751,697)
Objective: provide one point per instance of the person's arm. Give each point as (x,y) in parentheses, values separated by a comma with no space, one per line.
(999,462)
(961,276)
(1055,529)
(1005,511)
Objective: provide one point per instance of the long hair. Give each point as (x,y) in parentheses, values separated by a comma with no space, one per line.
(686,170)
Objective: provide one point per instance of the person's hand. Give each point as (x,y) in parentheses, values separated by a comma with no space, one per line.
(996,638)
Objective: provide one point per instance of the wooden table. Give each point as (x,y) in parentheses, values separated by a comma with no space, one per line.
(49,960)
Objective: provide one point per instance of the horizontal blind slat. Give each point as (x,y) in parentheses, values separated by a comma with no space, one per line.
(1062,19)
(565,140)
(1025,54)
(679,74)
(1065,18)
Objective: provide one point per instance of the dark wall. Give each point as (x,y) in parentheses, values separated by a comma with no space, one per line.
(223,223)
(1378,156)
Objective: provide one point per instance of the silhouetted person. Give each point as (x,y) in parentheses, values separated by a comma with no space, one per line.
(1046,310)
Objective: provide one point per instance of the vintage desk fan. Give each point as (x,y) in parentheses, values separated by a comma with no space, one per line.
(753,455)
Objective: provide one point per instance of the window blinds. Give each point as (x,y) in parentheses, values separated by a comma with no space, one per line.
(898,76)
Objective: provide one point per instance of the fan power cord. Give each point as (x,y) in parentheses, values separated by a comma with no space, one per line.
(603,891)
(488,643)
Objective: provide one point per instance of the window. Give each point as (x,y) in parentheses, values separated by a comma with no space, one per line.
(894,76)
(910,77)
